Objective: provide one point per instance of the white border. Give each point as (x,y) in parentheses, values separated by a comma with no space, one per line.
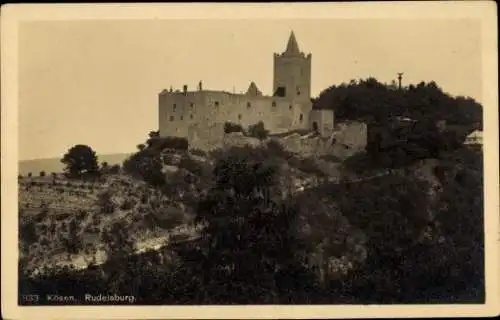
(12,14)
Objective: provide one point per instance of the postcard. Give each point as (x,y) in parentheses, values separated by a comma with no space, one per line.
(214,161)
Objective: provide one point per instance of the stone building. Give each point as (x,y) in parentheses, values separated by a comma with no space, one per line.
(200,115)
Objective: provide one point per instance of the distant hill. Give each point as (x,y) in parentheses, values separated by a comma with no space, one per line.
(55,165)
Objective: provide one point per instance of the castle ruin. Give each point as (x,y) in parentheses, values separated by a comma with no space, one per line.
(200,115)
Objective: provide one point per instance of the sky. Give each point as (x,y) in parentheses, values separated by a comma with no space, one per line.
(97,82)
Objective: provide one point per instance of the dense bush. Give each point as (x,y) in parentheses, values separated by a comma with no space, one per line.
(258,131)
(191,165)
(163,143)
(145,165)
(368,100)
(106,204)
(198,152)
(230,127)
(114,169)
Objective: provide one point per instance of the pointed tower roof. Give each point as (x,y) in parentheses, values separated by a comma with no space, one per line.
(253,90)
(292,47)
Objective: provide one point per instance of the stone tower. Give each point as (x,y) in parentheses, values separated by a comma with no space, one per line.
(292,72)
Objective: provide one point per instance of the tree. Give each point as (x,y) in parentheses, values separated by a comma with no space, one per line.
(258,131)
(145,165)
(250,237)
(80,161)
(154,134)
(159,144)
(141,146)
(104,166)
(42,173)
(114,169)
(73,241)
(369,99)
(106,203)
(230,127)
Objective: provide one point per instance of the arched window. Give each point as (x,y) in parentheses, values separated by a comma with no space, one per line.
(274,103)
(248,105)
(290,107)
(174,107)
(182,118)
(239,117)
(301,117)
(171,118)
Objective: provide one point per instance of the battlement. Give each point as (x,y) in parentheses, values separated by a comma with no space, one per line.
(300,55)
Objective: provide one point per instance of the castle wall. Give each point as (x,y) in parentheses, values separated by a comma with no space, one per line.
(323,119)
(179,111)
(205,136)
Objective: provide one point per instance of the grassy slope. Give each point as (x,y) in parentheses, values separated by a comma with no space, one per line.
(74,200)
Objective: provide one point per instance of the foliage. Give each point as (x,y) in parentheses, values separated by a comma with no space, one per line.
(42,173)
(395,144)
(27,231)
(258,131)
(117,242)
(105,203)
(114,169)
(368,100)
(277,149)
(251,239)
(80,161)
(191,165)
(230,127)
(460,217)
(198,152)
(419,250)
(307,165)
(73,242)
(145,165)
(158,143)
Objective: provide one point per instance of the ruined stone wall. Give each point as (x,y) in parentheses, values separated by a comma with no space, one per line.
(347,140)
(352,134)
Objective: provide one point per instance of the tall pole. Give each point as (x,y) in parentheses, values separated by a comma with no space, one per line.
(400,77)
